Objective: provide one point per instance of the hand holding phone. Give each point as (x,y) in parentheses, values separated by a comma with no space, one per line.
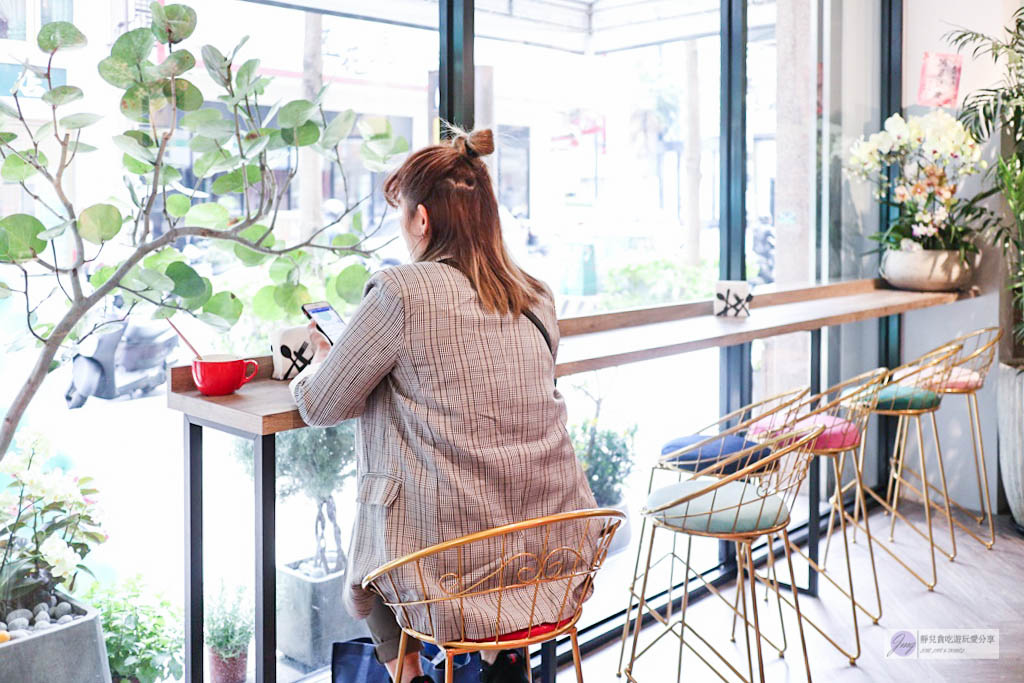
(326,319)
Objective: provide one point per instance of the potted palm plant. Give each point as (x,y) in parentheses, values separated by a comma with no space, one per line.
(987,112)
(918,166)
(314,463)
(48,526)
(229,628)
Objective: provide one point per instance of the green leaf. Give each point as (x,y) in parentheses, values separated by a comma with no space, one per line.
(224,305)
(338,129)
(118,72)
(373,126)
(101,276)
(99,223)
(208,215)
(5,290)
(131,146)
(133,46)
(214,321)
(59,35)
(139,100)
(295,113)
(281,269)
(357,222)
(133,165)
(186,96)
(178,205)
(154,279)
(232,182)
(192,303)
(216,65)
(217,129)
(351,282)
(54,232)
(200,144)
(264,306)
(187,282)
(248,256)
(140,137)
(307,134)
(161,259)
(243,77)
(22,232)
(78,121)
(8,137)
(176,64)
(16,167)
(290,298)
(62,94)
(172,23)
(209,162)
(192,120)
(345,240)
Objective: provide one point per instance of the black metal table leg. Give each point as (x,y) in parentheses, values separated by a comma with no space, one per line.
(548,662)
(266,569)
(193,552)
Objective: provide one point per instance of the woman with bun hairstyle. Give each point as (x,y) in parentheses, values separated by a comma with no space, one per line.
(449,364)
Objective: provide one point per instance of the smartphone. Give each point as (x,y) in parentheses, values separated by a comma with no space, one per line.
(327,319)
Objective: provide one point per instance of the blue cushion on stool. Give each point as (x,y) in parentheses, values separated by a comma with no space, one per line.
(712,451)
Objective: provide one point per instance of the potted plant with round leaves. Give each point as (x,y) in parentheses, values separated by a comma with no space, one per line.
(314,463)
(120,246)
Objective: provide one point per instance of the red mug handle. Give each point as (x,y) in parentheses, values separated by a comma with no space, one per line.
(255,368)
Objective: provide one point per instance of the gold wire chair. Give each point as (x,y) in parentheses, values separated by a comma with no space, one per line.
(967,375)
(843,412)
(909,394)
(750,501)
(709,445)
(554,556)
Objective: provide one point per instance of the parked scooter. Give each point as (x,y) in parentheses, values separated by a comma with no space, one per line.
(123,359)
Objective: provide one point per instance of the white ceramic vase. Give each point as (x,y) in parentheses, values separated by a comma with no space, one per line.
(930,270)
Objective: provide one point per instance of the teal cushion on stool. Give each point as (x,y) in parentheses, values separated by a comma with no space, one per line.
(754,512)
(712,451)
(897,397)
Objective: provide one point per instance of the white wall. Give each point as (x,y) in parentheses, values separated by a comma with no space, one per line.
(925,22)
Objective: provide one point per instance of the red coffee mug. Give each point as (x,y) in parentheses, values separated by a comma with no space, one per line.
(221,374)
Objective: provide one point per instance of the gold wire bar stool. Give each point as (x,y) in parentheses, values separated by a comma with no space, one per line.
(843,412)
(554,556)
(685,455)
(752,501)
(966,377)
(908,395)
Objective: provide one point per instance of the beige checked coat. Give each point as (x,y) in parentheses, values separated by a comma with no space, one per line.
(461,429)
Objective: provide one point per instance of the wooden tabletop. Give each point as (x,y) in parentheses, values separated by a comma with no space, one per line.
(265,406)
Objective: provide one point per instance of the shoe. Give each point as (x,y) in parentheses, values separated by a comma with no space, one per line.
(423,679)
(509,667)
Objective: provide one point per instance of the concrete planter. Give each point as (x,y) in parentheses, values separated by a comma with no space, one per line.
(1011,438)
(931,270)
(66,653)
(311,616)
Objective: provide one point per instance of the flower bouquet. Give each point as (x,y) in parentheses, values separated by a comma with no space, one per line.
(918,166)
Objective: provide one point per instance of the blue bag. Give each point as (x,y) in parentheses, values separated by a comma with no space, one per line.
(353,662)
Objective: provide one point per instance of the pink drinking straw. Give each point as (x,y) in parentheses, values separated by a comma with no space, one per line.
(187,342)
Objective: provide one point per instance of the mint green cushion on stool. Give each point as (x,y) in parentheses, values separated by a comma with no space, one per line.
(755,512)
(898,397)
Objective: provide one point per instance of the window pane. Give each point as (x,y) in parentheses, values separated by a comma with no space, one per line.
(55,10)
(607,162)
(12,20)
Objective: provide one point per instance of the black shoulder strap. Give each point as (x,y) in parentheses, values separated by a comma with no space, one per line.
(540,327)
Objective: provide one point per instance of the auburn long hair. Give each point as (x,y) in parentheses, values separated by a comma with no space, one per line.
(452,183)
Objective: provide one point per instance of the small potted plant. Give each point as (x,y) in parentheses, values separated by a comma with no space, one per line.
(229,628)
(143,632)
(310,616)
(48,526)
(918,166)
(607,459)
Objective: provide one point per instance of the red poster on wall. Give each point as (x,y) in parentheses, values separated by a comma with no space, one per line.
(940,79)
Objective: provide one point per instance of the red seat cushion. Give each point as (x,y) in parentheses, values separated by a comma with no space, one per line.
(523,633)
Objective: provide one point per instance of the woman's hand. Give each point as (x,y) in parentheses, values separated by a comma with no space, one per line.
(321,347)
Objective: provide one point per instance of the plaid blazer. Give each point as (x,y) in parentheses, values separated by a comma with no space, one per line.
(461,429)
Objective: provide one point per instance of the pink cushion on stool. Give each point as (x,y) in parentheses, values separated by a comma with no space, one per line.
(963,379)
(838,434)
(960,379)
